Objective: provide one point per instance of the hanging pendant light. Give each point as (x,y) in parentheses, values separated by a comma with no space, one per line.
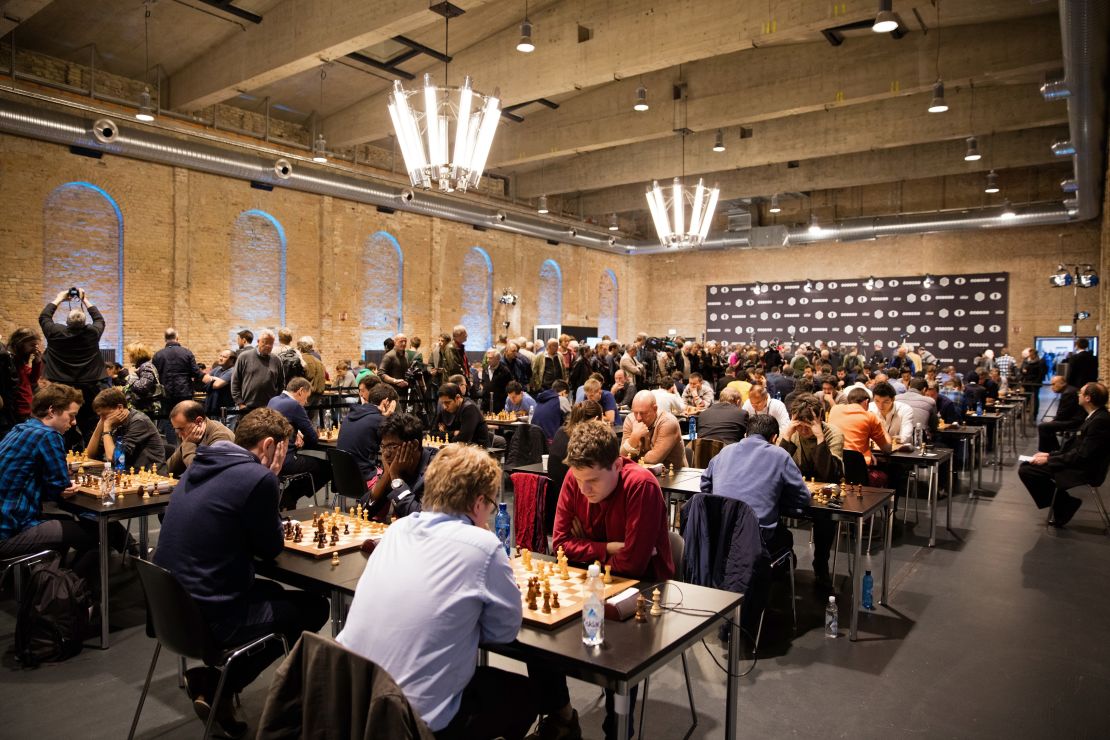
(814,225)
(1008,212)
(320,150)
(885,20)
(542,206)
(668,211)
(775,207)
(146,107)
(992,183)
(927,282)
(525,44)
(719,142)
(972,154)
(938,105)
(614,224)
(641,99)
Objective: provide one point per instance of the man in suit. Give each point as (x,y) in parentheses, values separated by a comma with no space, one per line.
(724,420)
(1069,415)
(1083,460)
(1082,365)
(290,404)
(494,378)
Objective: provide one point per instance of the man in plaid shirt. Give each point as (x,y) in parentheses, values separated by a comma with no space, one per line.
(1005,363)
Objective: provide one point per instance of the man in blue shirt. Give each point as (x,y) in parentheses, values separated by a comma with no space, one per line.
(439,584)
(518,399)
(290,404)
(592,391)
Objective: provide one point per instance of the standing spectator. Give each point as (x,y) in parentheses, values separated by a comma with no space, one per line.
(1082,365)
(217,382)
(143,389)
(519,368)
(547,368)
(258,375)
(494,380)
(395,364)
(1032,374)
(1006,363)
(292,364)
(178,371)
(455,361)
(73,354)
(314,370)
(20,370)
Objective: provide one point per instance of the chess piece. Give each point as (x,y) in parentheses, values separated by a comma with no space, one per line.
(346,528)
(546,601)
(656,603)
(608,577)
(143,492)
(335,558)
(532,597)
(320,541)
(555,600)
(640,603)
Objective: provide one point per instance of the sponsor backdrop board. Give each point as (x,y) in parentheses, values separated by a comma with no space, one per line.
(956,318)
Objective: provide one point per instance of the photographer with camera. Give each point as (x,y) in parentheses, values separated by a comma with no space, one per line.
(73,353)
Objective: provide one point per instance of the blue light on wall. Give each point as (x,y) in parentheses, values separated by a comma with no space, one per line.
(382,312)
(477,298)
(258,271)
(550,294)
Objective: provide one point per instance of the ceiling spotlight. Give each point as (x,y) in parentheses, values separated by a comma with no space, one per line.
(972,154)
(927,282)
(1008,212)
(775,207)
(146,109)
(870,284)
(525,44)
(319,150)
(992,183)
(719,142)
(808,287)
(1069,185)
(938,105)
(613,224)
(885,21)
(1061,278)
(1088,278)
(542,207)
(1082,315)
(1063,148)
(814,225)
(1055,89)
(641,99)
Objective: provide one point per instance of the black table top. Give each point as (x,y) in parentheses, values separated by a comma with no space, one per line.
(934,456)
(299,569)
(127,506)
(632,650)
(961,431)
(984,418)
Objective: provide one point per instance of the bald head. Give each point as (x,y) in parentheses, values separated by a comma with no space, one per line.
(644,407)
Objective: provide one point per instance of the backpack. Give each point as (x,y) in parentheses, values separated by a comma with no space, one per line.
(291,365)
(55,616)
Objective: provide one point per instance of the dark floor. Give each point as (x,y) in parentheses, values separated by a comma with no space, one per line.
(1002,630)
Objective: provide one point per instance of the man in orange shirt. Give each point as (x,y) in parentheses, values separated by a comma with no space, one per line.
(859,426)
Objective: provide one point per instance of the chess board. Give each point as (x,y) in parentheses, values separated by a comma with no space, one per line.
(326,436)
(129,485)
(571,592)
(76,463)
(356,535)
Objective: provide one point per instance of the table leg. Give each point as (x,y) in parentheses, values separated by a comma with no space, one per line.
(733,686)
(948,503)
(102,532)
(144,536)
(934,493)
(980,445)
(336,612)
(620,709)
(886,550)
(857,583)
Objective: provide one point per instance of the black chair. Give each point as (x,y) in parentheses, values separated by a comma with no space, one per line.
(174,620)
(346,478)
(855,468)
(17,565)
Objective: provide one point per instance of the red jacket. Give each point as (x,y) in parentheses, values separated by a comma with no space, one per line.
(635,514)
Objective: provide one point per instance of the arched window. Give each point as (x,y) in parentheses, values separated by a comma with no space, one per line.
(607,305)
(257,274)
(83,248)
(382,269)
(477,298)
(550,294)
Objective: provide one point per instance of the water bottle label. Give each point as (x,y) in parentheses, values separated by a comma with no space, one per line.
(591,621)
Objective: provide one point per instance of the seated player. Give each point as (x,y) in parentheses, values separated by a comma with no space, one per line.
(652,436)
(724,420)
(612,510)
(460,418)
(1069,415)
(759,403)
(549,414)
(1083,460)
(592,391)
(517,399)
(556,465)
(360,432)
(817,449)
(222,515)
(129,429)
(439,583)
(290,403)
(668,400)
(698,393)
(896,416)
(399,480)
(194,430)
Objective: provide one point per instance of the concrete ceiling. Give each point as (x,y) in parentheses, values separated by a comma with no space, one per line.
(798,113)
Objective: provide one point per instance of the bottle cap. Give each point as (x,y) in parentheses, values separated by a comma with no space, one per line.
(867,572)
(832,599)
(593,571)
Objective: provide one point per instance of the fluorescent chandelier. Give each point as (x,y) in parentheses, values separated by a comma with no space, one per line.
(424,136)
(668,211)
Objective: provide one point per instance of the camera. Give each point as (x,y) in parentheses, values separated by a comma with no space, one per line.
(74,293)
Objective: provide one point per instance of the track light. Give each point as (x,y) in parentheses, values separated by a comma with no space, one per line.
(992,183)
(927,282)
(613,224)
(1069,185)
(542,207)
(1063,148)
(1088,278)
(885,21)
(1008,212)
(1055,89)
(870,284)
(814,224)
(972,154)
(938,105)
(525,44)
(719,142)
(641,99)
(146,109)
(775,208)
(320,150)
(1061,278)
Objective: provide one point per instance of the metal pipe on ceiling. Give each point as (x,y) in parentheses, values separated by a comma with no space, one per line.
(1083,31)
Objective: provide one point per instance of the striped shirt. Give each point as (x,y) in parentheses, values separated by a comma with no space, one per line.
(32,467)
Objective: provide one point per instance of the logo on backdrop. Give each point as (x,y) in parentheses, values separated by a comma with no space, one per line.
(953,318)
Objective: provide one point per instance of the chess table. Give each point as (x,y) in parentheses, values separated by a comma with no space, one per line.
(571,591)
(349,535)
(933,460)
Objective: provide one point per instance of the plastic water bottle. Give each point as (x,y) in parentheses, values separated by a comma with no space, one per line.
(693,428)
(502,525)
(868,587)
(119,462)
(593,611)
(979,409)
(832,620)
(327,421)
(918,436)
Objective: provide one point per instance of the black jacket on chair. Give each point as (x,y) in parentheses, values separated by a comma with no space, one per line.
(723,545)
(1086,456)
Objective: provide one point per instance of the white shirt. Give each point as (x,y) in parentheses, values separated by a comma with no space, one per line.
(671,402)
(898,423)
(435,587)
(775,408)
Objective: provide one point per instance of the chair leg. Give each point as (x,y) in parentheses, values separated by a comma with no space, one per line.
(1051,507)
(643,707)
(181,666)
(758,632)
(215,702)
(146,687)
(689,692)
(1101,508)
(793,599)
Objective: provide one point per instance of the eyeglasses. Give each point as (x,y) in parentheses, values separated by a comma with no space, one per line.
(392,447)
(490,501)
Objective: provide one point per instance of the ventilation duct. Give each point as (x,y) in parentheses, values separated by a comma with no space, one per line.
(1083,32)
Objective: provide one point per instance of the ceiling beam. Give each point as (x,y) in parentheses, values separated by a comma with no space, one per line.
(1001,151)
(881,125)
(629,38)
(773,82)
(296,35)
(14,12)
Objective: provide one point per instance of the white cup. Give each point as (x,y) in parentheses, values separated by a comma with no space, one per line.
(543,459)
